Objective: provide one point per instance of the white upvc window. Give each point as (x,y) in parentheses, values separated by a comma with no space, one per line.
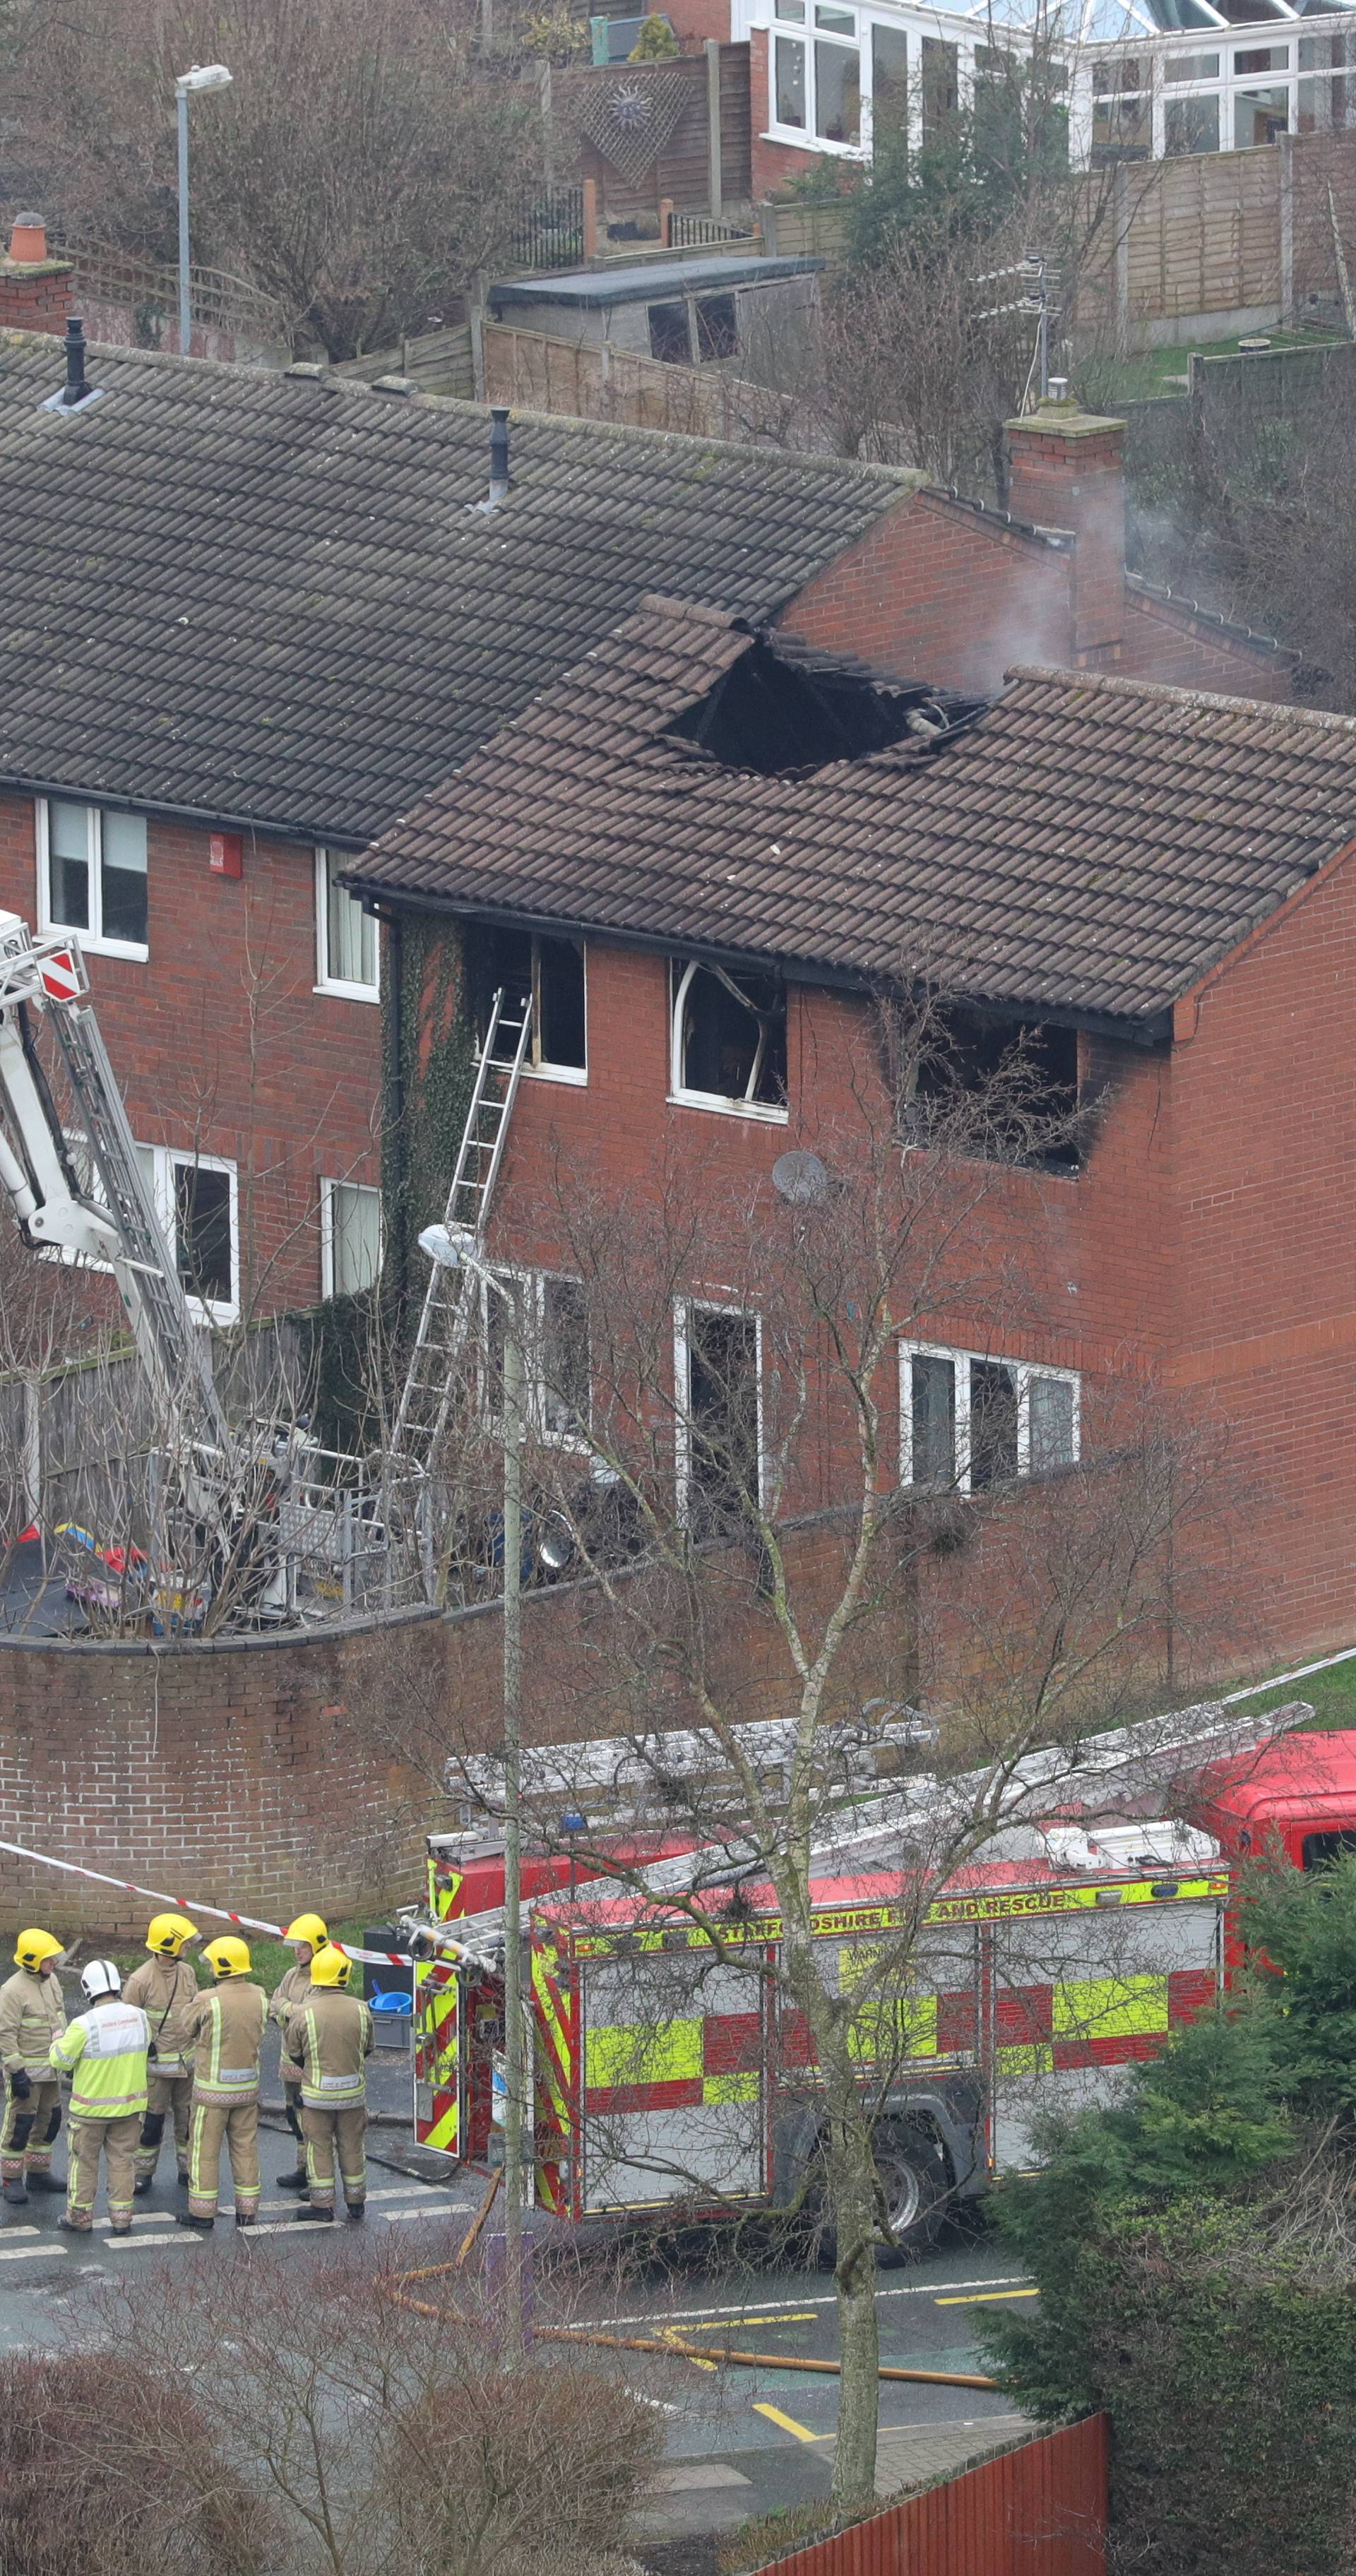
(727,1040)
(718,1385)
(197,1201)
(350,1238)
(553,1322)
(968,1421)
(92,875)
(347,949)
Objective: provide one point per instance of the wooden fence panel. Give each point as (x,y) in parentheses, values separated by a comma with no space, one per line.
(1038,2510)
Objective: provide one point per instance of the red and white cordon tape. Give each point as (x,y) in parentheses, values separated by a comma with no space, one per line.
(247,1922)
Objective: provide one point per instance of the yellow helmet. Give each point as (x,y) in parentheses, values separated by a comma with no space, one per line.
(308,1927)
(330,1967)
(167,1933)
(228,1957)
(32,1948)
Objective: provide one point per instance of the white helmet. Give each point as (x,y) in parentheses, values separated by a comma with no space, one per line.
(99,1978)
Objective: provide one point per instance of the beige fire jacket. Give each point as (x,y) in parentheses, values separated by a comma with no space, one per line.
(286,1996)
(32,2015)
(228,2025)
(328,2037)
(167,1992)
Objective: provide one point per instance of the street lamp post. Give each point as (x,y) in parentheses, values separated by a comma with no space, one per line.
(456,1250)
(202,76)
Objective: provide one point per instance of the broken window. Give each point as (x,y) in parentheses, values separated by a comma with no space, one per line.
(718,1396)
(552,971)
(204,1233)
(729,1038)
(968,1421)
(1025,1077)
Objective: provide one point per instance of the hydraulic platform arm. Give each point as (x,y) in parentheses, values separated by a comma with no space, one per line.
(47,976)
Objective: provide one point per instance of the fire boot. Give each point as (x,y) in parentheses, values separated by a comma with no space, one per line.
(292,2181)
(185,2218)
(45,2181)
(310,2211)
(16,2192)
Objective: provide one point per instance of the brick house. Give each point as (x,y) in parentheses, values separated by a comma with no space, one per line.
(249,619)
(1158,885)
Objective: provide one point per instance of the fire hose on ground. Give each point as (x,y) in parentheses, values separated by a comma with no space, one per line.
(671,2345)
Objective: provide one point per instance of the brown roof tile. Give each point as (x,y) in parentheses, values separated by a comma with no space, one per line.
(1088,845)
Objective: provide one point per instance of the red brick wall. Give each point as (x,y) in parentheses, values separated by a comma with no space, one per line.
(37,301)
(934,593)
(221,1044)
(1064,481)
(1165,643)
(1263,1310)
(774,164)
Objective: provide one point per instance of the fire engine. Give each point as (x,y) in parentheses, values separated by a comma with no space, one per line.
(669,2075)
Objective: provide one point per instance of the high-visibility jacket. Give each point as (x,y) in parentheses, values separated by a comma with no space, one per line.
(32,2015)
(167,1991)
(104,2053)
(227,2027)
(329,2036)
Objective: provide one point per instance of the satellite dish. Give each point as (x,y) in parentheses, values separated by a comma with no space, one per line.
(801,1178)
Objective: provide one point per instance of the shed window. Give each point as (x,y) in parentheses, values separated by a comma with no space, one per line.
(717,327)
(669,334)
(729,1039)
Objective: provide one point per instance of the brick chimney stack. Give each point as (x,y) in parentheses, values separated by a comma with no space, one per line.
(36,291)
(1068,472)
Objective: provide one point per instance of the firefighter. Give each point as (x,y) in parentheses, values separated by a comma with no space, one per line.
(328,2037)
(308,1933)
(167,1991)
(104,2052)
(31,2017)
(227,2027)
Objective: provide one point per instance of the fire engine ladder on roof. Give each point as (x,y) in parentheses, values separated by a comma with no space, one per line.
(171,1348)
(430,1382)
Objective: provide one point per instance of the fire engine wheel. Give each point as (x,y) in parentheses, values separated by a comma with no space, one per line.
(915,2183)
(913,2179)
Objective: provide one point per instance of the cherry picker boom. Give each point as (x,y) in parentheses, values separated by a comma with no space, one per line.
(222,1498)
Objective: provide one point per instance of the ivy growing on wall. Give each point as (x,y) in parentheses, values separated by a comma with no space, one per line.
(420,1137)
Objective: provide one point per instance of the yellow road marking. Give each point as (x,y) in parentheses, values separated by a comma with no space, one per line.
(981,2298)
(806,2318)
(787,2422)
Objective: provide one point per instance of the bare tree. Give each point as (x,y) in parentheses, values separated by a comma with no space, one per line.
(362,168)
(715,1451)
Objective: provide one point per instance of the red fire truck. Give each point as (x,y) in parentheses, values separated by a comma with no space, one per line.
(669,2071)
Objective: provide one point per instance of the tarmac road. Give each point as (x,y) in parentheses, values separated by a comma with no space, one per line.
(739,2441)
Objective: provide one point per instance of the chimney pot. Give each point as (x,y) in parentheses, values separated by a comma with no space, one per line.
(28,240)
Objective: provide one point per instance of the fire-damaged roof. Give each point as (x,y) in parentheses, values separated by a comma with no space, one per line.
(1083,844)
(278,599)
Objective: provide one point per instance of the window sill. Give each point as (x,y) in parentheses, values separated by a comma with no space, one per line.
(800,141)
(208,1312)
(349,992)
(134,954)
(763,1111)
(574,1075)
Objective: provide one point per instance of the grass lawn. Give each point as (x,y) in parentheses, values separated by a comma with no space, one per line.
(1150,371)
(269,1960)
(1331,1695)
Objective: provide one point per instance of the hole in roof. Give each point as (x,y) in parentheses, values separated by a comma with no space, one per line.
(780,714)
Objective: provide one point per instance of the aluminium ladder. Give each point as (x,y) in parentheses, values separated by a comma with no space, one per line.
(430,1381)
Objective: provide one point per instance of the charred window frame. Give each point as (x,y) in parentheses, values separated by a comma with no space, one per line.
(728,1040)
(718,1377)
(968,1421)
(555,972)
(1032,1069)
